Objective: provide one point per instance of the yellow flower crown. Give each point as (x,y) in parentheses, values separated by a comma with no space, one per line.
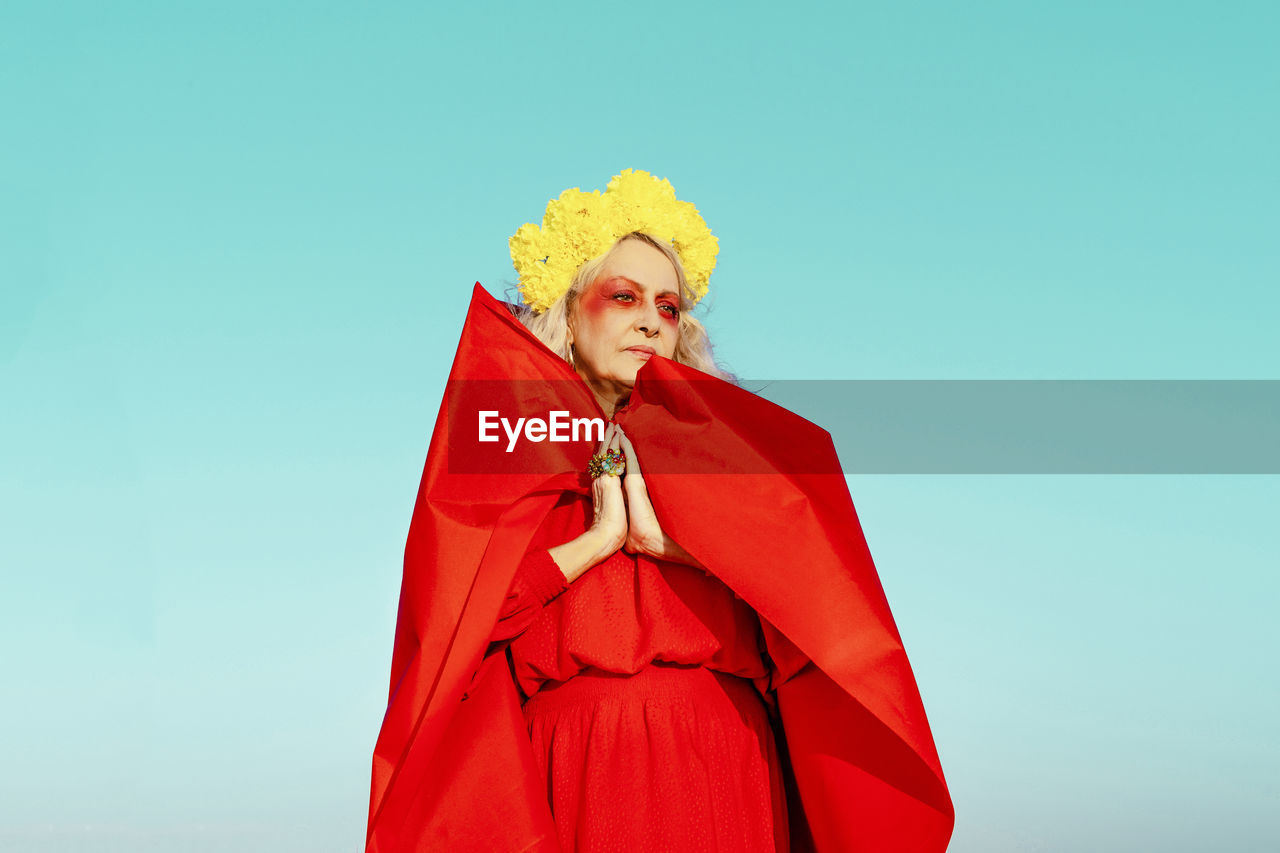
(579,226)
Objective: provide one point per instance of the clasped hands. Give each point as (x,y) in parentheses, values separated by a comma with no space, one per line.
(623,514)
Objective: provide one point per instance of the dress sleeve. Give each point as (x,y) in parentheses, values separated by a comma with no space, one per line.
(538,580)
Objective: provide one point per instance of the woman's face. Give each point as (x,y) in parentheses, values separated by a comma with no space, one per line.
(630,311)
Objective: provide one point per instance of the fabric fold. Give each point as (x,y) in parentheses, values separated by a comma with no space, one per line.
(755,493)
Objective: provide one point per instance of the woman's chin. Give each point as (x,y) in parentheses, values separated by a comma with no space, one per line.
(626,374)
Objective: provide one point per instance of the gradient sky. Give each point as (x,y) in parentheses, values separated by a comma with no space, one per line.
(237,241)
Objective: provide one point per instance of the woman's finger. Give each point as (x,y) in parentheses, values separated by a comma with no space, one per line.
(610,444)
(633,464)
(604,442)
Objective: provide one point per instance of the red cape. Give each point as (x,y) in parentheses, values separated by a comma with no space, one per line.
(453,768)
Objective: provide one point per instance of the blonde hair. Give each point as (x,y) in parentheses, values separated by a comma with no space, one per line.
(693,345)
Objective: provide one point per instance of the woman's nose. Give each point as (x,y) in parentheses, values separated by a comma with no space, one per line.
(648,320)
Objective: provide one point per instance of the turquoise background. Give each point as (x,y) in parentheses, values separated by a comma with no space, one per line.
(237,241)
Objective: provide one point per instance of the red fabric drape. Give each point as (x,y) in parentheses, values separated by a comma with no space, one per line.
(754,492)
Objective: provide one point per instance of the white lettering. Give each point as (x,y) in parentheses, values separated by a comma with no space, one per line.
(557,426)
(587,424)
(512,434)
(486,424)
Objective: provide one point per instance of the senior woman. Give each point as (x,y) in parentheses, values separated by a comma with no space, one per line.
(612,660)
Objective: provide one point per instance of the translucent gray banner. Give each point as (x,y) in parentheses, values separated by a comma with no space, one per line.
(1216,426)
(889,426)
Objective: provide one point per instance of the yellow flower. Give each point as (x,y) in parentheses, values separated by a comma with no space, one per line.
(578,226)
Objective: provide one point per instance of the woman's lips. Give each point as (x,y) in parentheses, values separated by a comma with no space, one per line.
(643,352)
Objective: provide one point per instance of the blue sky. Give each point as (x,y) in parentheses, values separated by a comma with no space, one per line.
(236,245)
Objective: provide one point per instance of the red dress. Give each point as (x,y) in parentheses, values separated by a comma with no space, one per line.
(453,767)
(647,687)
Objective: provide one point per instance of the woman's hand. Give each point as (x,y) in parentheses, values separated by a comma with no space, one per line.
(608,529)
(609,511)
(644,532)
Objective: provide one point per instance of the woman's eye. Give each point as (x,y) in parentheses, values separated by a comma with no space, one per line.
(669,310)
